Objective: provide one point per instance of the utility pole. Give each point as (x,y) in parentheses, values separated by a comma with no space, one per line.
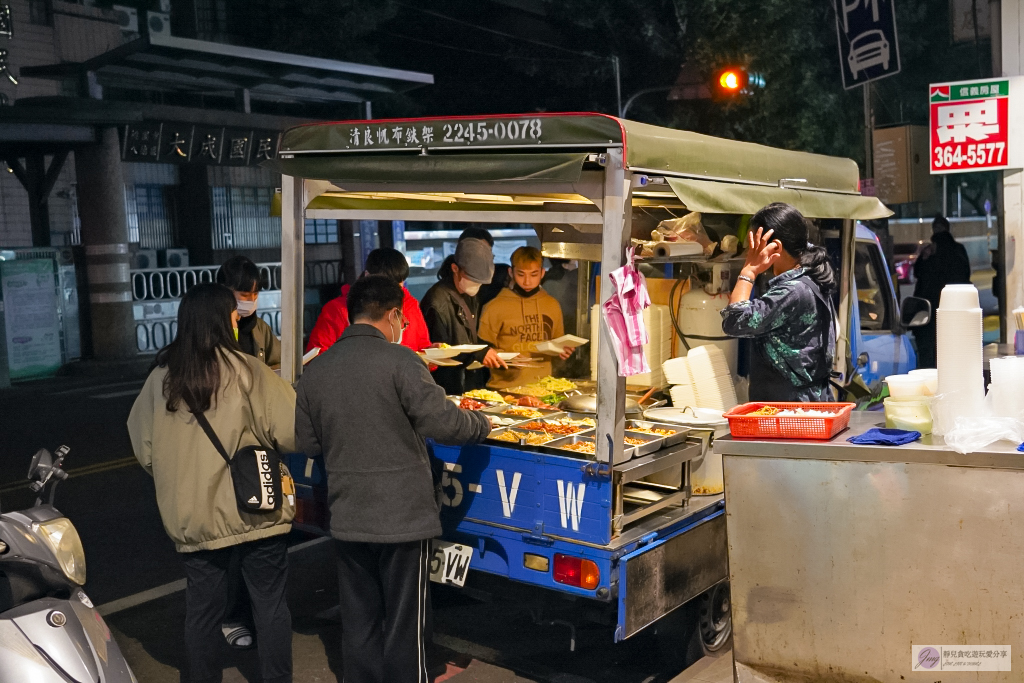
(618,85)
(869,171)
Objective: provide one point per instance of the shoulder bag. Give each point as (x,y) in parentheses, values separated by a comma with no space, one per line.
(255,472)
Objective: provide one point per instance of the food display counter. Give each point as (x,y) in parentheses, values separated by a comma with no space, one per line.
(618,525)
(847,561)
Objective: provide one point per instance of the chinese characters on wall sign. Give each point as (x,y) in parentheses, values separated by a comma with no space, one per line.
(970,126)
(441,134)
(183,143)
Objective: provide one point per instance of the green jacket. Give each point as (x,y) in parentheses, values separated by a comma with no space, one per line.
(193,483)
(266,345)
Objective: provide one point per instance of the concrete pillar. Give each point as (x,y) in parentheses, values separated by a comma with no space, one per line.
(105,239)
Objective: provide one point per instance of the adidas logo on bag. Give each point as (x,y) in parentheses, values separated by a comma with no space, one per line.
(254,500)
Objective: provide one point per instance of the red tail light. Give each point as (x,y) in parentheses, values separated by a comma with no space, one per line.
(575,571)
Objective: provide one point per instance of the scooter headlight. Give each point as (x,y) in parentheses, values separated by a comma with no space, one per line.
(62,538)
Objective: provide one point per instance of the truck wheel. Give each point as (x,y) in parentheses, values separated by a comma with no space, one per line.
(714,618)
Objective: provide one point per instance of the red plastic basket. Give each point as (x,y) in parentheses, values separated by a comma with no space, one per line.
(742,425)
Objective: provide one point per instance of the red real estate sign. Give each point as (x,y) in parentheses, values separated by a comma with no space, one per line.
(970,126)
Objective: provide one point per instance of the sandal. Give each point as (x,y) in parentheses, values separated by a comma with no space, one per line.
(238,636)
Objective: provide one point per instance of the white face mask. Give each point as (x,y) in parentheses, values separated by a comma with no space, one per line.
(245,308)
(470,288)
(401,328)
(572,265)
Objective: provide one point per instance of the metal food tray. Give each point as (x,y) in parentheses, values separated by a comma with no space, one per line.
(544,413)
(654,443)
(555,447)
(521,442)
(457,399)
(678,437)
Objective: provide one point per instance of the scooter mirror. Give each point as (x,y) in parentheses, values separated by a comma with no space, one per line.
(41,463)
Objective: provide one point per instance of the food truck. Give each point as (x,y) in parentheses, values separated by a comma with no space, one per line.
(600,510)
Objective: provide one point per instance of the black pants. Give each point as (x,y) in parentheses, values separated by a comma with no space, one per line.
(926,343)
(238,609)
(265,570)
(385,611)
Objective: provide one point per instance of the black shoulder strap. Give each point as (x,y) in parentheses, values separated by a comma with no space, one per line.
(205,424)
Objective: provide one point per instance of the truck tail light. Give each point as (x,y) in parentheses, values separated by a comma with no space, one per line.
(575,571)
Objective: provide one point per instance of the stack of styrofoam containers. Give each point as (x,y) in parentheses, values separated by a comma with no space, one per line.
(712,381)
(657,351)
(1005,395)
(677,373)
(959,353)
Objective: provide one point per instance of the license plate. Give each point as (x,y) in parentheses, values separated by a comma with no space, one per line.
(449,563)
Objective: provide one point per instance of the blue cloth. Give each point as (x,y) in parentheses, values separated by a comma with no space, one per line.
(1021,448)
(885,437)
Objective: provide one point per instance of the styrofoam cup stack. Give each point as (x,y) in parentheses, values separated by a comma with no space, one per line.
(1006,397)
(677,371)
(959,333)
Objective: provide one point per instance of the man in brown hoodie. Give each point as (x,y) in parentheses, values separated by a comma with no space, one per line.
(521,316)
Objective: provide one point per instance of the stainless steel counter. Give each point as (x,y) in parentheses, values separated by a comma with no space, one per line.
(928,449)
(843,557)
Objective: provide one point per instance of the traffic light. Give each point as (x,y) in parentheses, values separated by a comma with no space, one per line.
(734,80)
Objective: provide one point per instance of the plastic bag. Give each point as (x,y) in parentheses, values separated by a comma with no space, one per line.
(685,229)
(970,434)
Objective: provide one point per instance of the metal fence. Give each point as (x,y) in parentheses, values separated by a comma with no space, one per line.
(156,293)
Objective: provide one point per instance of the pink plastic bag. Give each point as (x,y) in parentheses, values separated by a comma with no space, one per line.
(624,312)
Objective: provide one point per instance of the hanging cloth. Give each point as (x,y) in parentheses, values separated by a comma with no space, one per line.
(624,313)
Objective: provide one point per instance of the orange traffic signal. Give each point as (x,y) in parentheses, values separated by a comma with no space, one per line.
(731,81)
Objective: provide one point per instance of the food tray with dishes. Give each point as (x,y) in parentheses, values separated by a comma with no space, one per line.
(470,403)
(522,437)
(524,412)
(789,420)
(672,434)
(643,444)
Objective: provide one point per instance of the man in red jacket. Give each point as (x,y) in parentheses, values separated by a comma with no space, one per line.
(334,319)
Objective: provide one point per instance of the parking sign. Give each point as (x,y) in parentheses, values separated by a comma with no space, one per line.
(971,127)
(868,49)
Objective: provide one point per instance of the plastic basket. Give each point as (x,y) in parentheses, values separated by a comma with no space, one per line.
(742,425)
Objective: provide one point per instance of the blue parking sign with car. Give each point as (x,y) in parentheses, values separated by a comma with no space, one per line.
(868,49)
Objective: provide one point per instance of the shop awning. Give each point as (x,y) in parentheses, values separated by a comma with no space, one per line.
(163,62)
(562,167)
(713,197)
(315,150)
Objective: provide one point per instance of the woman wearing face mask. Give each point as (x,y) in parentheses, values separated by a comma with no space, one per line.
(256,339)
(451,313)
(242,277)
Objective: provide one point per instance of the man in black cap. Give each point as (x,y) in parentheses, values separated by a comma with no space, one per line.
(451,312)
(943,262)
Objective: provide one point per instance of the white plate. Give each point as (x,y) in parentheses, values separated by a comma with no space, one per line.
(508,355)
(706,417)
(468,348)
(440,362)
(433,353)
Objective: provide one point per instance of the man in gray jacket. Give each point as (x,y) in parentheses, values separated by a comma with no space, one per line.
(367,405)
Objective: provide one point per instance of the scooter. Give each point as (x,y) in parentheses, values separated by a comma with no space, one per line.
(50,632)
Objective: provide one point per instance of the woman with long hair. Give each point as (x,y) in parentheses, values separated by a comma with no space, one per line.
(792,324)
(204,370)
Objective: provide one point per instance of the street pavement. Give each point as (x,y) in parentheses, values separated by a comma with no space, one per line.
(491,631)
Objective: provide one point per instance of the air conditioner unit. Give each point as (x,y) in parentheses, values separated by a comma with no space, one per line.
(127,17)
(174,258)
(158,23)
(144,259)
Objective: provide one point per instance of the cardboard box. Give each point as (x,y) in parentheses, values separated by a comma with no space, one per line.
(901,170)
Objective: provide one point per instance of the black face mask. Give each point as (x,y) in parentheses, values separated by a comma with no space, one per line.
(522,292)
